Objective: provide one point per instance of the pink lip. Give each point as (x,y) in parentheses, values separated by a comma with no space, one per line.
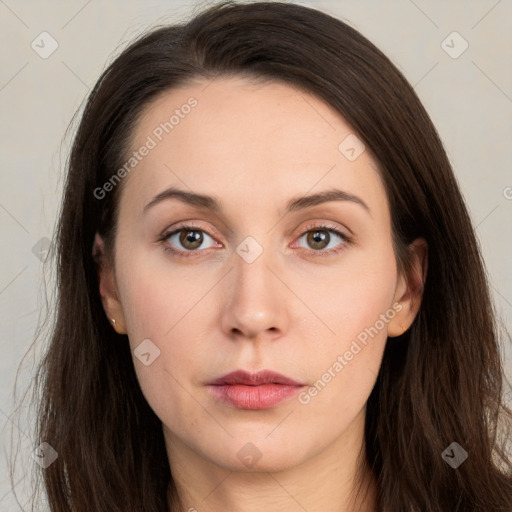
(255,391)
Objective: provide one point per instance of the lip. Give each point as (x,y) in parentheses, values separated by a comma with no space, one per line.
(254,391)
(254,379)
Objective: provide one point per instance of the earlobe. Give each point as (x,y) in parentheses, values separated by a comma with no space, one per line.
(116,327)
(411,290)
(107,286)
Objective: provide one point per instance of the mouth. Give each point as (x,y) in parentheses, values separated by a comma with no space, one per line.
(254,391)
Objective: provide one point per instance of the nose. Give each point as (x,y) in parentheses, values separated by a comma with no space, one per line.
(256,299)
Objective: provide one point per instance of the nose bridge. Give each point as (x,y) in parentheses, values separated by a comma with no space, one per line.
(251,276)
(254,302)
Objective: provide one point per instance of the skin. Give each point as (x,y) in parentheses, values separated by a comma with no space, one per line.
(254,147)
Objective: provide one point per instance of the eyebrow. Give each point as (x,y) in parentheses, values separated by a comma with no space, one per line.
(294,204)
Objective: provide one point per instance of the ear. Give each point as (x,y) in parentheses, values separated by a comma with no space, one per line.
(107,286)
(409,290)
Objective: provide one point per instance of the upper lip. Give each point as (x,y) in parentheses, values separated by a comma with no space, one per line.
(254,379)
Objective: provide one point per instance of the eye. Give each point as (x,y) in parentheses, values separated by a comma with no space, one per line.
(185,239)
(319,239)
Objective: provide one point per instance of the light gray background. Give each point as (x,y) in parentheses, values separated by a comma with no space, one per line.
(469,99)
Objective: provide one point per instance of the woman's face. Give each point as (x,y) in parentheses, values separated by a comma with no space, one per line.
(262,279)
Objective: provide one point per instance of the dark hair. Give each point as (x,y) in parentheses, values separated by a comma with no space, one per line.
(439,382)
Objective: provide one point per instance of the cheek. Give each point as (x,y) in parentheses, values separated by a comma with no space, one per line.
(356,303)
(157,298)
(158,313)
(352,298)
(167,309)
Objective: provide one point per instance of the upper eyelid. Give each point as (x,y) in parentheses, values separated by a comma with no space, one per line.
(190,226)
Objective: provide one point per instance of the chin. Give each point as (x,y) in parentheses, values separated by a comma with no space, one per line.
(248,456)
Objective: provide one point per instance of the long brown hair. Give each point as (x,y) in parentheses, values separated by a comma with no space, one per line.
(440,382)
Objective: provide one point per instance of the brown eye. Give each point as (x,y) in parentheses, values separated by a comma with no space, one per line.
(188,239)
(191,239)
(324,240)
(318,239)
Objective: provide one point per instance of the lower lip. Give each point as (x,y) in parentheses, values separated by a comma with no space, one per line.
(254,397)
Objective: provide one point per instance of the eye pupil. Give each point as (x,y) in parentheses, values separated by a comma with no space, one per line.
(318,237)
(193,237)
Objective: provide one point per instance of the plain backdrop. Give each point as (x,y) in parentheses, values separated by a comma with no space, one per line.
(463,79)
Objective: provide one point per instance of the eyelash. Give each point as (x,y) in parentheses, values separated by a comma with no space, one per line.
(319,253)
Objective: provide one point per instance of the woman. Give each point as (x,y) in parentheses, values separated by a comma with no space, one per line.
(270,293)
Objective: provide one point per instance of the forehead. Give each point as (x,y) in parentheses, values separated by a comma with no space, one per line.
(236,136)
